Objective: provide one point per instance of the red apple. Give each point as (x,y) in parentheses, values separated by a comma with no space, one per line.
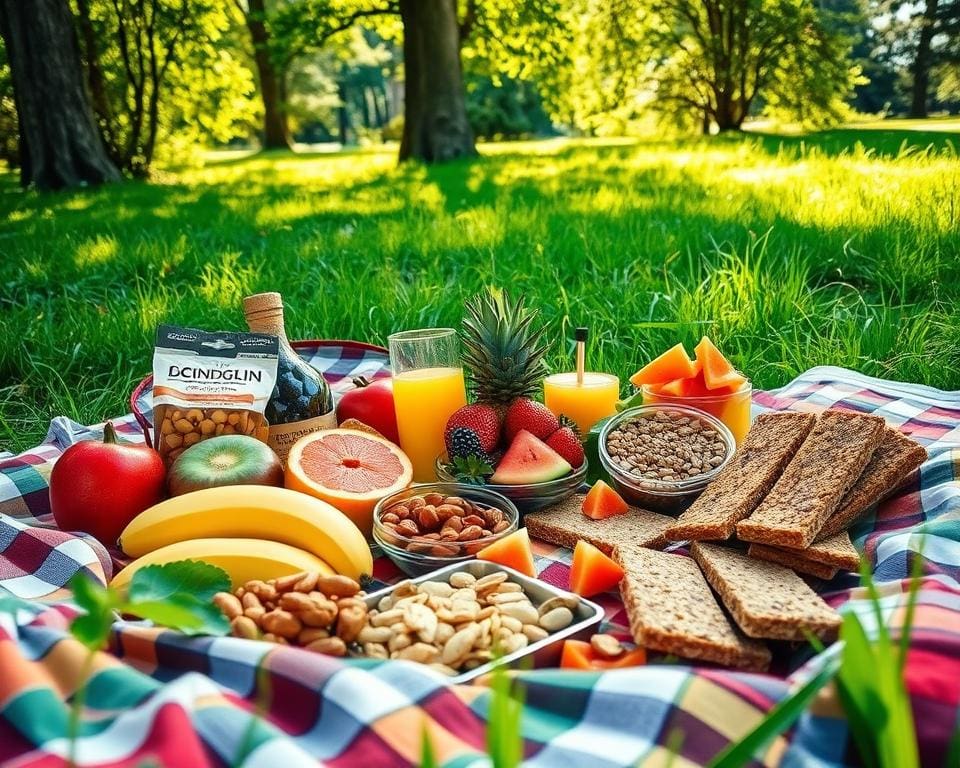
(372,404)
(99,487)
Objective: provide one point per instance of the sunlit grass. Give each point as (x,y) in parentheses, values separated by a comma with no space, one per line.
(842,248)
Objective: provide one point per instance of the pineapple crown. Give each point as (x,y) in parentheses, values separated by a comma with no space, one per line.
(504,347)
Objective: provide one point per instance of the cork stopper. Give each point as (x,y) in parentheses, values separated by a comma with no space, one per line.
(264,312)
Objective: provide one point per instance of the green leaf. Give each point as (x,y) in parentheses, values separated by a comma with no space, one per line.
(504,739)
(183,577)
(775,722)
(427,757)
(183,612)
(93,627)
(88,593)
(89,629)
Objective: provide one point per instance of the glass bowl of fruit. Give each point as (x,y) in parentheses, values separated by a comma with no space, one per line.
(529,456)
(431,525)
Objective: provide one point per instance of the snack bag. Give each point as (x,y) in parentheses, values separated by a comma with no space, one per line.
(208,384)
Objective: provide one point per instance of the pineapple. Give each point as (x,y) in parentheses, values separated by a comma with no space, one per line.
(504,348)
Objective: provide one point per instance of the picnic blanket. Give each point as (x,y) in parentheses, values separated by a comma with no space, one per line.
(157,697)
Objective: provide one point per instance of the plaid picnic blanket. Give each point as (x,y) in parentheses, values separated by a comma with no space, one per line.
(158,697)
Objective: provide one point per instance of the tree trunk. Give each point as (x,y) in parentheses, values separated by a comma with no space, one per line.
(343,115)
(96,81)
(276,133)
(921,63)
(435,127)
(60,145)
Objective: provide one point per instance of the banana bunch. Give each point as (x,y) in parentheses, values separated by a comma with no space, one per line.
(251,531)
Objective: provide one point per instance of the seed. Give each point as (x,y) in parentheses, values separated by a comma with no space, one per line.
(490,580)
(557,619)
(534,633)
(523,612)
(462,579)
(606,645)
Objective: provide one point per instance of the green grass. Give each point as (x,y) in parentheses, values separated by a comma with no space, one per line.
(839,248)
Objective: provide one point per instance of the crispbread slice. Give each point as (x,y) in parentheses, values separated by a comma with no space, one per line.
(792,559)
(767,600)
(836,550)
(895,458)
(671,609)
(811,487)
(565,525)
(736,491)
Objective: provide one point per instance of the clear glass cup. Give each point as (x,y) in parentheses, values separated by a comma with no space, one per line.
(428,386)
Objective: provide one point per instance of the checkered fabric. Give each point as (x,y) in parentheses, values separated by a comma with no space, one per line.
(158,697)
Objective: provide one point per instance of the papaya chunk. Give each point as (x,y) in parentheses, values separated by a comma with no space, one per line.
(512,551)
(675,363)
(578,654)
(592,571)
(718,372)
(602,502)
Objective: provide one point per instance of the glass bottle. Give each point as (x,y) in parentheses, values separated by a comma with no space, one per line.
(301,401)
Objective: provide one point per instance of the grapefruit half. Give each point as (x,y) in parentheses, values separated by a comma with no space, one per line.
(349,469)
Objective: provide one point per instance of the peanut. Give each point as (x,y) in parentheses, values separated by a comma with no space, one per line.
(331,646)
(281,623)
(228,604)
(243,626)
(337,585)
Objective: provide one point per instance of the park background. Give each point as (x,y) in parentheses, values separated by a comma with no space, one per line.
(779,174)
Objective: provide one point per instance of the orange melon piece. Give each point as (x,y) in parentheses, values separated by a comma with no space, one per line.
(349,469)
(512,551)
(718,372)
(602,502)
(592,571)
(578,654)
(675,363)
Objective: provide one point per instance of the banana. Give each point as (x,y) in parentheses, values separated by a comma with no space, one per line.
(243,559)
(256,512)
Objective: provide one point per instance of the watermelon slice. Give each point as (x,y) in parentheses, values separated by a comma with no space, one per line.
(718,373)
(602,502)
(592,572)
(672,364)
(512,551)
(529,460)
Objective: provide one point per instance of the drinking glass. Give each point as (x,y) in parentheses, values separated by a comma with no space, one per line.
(428,387)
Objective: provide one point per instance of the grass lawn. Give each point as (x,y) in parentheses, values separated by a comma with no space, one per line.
(839,248)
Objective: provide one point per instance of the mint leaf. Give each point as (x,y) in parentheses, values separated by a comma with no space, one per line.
(99,602)
(183,612)
(156,583)
(88,593)
(91,630)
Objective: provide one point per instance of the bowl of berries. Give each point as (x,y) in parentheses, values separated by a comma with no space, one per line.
(528,455)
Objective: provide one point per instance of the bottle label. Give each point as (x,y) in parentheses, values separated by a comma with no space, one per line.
(283,436)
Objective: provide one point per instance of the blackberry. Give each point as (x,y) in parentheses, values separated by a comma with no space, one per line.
(463,442)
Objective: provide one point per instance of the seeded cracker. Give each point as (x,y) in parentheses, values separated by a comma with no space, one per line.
(811,487)
(836,550)
(895,458)
(733,494)
(767,600)
(565,525)
(791,559)
(671,609)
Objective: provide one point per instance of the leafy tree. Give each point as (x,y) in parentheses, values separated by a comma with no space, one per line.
(8,112)
(151,64)
(59,142)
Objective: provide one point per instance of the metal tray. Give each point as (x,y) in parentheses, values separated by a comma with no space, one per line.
(543,653)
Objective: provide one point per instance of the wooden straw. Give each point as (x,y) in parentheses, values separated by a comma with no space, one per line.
(581,337)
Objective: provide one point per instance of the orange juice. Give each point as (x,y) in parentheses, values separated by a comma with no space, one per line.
(732,409)
(425,398)
(585,403)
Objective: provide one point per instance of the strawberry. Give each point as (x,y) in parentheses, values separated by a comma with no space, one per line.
(481,419)
(566,442)
(530,415)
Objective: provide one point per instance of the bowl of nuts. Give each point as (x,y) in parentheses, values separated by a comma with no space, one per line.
(431,525)
(661,457)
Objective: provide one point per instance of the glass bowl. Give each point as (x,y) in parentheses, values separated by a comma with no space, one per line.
(416,555)
(532,496)
(733,409)
(668,496)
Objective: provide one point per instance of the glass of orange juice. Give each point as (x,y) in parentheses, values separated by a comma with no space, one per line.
(428,387)
(586,401)
(733,409)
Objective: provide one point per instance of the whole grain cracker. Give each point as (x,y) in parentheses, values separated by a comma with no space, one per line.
(766,600)
(810,489)
(790,559)
(565,524)
(836,550)
(671,609)
(736,491)
(893,461)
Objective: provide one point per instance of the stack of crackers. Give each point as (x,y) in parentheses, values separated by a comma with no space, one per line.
(791,491)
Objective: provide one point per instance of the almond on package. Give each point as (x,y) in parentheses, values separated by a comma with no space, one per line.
(208,384)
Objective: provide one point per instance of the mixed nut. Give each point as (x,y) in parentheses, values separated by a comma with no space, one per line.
(320,613)
(179,428)
(666,446)
(453,626)
(441,526)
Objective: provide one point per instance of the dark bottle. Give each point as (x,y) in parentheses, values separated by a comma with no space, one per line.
(301,401)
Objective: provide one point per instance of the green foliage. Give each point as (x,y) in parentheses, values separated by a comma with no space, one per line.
(505,720)
(504,108)
(8,112)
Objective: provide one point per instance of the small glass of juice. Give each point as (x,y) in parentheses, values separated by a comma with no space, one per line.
(585,402)
(428,387)
(733,409)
